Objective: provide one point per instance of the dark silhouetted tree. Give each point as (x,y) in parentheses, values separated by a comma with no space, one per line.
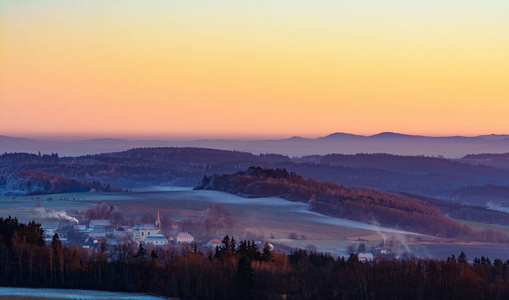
(244,279)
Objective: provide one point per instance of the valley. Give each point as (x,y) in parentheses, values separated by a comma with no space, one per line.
(272,219)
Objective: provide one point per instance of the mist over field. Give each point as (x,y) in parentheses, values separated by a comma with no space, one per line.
(273,219)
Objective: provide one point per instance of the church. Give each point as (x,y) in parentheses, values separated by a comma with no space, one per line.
(142,231)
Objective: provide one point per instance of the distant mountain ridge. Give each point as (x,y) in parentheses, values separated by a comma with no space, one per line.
(339,142)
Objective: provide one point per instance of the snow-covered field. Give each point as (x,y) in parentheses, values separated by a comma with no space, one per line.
(301,210)
(272,218)
(257,211)
(263,207)
(28,293)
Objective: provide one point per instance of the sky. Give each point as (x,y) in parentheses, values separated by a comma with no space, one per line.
(252,69)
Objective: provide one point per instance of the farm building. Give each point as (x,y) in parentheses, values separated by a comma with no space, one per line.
(156,239)
(99,224)
(184,237)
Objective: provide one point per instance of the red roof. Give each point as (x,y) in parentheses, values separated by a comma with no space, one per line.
(184,235)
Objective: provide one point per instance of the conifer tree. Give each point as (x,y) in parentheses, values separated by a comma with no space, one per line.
(244,278)
(142,252)
(267,255)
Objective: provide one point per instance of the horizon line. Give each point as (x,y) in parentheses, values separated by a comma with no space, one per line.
(157,137)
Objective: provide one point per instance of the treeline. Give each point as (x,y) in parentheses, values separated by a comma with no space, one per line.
(477,194)
(214,221)
(401,163)
(355,203)
(467,212)
(240,271)
(36,183)
(427,176)
(497,160)
(28,158)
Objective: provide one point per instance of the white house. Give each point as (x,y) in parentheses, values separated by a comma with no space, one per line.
(122,233)
(80,227)
(214,243)
(97,224)
(184,237)
(365,256)
(156,239)
(271,247)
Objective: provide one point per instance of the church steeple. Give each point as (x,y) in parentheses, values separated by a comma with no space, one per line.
(158,221)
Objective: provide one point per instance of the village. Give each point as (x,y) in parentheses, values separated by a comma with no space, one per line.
(103,232)
(145,233)
(112,230)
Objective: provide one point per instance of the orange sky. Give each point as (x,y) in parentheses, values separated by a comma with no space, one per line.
(253,68)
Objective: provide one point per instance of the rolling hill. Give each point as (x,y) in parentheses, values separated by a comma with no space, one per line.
(355,203)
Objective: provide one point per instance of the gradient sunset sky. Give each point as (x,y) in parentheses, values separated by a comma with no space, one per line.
(251,69)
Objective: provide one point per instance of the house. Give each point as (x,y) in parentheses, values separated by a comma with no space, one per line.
(156,239)
(271,247)
(80,227)
(122,233)
(365,256)
(113,241)
(97,234)
(97,224)
(100,231)
(214,243)
(184,237)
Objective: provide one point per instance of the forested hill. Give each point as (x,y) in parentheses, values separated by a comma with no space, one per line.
(139,167)
(34,182)
(356,203)
(433,177)
(499,160)
(397,163)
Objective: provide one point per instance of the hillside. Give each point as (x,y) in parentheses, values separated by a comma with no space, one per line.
(432,177)
(356,203)
(471,213)
(33,182)
(140,167)
(399,163)
(499,160)
(495,193)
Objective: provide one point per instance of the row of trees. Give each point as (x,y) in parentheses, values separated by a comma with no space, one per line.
(240,271)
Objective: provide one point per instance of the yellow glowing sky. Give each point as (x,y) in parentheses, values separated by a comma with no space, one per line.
(253,68)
